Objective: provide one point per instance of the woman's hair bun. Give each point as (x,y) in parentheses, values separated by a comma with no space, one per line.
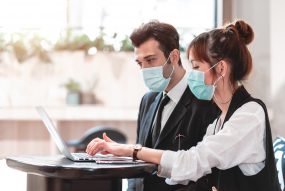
(244,30)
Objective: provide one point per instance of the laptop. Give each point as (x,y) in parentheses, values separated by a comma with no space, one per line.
(77,157)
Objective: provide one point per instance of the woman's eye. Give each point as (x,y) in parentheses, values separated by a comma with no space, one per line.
(139,64)
(195,67)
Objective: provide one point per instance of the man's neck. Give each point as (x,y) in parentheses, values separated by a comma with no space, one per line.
(177,76)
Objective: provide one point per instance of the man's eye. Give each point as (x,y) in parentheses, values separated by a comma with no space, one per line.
(150,59)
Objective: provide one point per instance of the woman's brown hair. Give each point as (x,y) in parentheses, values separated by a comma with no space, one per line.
(227,43)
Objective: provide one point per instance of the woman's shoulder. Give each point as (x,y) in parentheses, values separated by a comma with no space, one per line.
(252,105)
(251,108)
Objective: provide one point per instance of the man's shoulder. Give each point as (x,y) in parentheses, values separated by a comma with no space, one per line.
(148,99)
(150,96)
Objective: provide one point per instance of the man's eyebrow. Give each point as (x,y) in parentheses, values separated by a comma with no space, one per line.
(148,56)
(145,58)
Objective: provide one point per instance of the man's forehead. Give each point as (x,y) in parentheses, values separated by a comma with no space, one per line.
(144,53)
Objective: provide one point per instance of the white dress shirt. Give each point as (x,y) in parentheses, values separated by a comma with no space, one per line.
(241,143)
(174,94)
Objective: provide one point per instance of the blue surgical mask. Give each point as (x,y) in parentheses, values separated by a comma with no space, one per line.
(196,83)
(154,79)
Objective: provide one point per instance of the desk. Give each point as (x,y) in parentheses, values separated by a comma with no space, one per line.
(56,173)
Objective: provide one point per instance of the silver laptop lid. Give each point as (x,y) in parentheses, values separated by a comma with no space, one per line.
(54,134)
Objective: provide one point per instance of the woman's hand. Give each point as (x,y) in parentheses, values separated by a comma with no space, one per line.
(108,146)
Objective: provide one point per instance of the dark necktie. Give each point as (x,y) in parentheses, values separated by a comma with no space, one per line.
(157,124)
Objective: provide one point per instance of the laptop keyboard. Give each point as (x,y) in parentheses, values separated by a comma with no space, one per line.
(83,156)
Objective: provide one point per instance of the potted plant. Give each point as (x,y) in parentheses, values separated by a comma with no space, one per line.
(87,94)
(73,96)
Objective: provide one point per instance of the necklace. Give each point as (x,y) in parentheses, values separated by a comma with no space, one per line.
(225,102)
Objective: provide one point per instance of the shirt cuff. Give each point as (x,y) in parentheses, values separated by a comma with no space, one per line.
(166,164)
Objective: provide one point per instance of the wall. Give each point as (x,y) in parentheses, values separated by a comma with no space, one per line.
(256,13)
(277,29)
(267,80)
(116,78)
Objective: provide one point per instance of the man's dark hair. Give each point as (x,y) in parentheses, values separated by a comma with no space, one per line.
(165,34)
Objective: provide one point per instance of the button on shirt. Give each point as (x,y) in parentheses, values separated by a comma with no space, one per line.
(174,94)
(241,142)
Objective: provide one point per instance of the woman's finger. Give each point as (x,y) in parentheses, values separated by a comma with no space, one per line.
(107,139)
(98,147)
(89,146)
(104,152)
(94,148)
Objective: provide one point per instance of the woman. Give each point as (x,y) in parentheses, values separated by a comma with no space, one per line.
(236,153)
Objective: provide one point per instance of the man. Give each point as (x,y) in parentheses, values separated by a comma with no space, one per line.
(170,117)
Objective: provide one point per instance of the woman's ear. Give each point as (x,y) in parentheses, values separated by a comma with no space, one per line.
(222,68)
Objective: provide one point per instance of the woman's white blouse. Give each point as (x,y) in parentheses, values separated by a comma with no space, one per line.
(240,142)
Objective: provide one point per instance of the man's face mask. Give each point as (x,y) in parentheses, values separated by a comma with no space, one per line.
(158,78)
(196,83)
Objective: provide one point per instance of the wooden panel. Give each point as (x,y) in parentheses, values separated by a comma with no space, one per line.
(31,137)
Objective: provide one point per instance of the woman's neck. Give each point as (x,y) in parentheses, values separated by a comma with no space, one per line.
(223,97)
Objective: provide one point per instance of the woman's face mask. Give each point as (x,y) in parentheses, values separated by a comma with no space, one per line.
(196,83)
(157,78)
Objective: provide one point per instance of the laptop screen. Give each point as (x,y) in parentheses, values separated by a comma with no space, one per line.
(54,134)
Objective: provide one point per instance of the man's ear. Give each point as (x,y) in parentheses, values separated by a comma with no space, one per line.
(175,56)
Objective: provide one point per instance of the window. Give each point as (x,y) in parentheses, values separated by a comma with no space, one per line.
(33,70)
(113,18)
(33,14)
(190,17)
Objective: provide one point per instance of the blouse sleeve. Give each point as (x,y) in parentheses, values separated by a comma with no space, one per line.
(240,141)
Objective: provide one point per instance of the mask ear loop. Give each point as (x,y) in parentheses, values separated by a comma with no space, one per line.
(166,62)
(221,77)
(225,102)
(172,71)
(214,84)
(213,66)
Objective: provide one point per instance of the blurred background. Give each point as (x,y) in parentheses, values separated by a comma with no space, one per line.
(74,57)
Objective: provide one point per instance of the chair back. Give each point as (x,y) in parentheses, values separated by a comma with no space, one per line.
(89,135)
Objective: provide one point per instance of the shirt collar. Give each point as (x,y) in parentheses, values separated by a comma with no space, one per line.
(177,91)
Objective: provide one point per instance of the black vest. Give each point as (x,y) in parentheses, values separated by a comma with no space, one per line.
(233,179)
